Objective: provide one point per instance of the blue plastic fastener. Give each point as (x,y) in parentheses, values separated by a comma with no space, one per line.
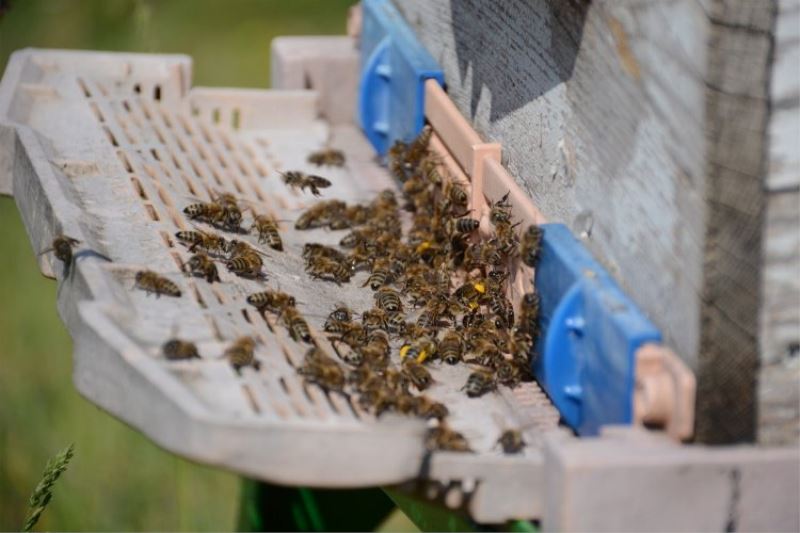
(394,68)
(590,333)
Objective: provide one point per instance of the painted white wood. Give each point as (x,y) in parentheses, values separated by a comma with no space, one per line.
(97,157)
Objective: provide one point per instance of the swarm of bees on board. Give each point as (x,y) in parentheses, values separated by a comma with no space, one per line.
(440,289)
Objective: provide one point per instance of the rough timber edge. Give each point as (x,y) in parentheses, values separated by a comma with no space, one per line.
(111,371)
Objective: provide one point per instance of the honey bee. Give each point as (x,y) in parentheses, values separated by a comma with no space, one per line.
(151,282)
(418,148)
(327,157)
(354,335)
(397,164)
(347,353)
(339,326)
(202,266)
(223,212)
(500,211)
(62,248)
(507,373)
(321,214)
(442,438)
(208,242)
(296,325)
(376,353)
(464,225)
(531,245)
(273,301)
(378,399)
(375,318)
(303,181)
(457,198)
(379,277)
(323,371)
(396,324)
(320,267)
(176,349)
(417,374)
(311,250)
(241,353)
(529,314)
(235,248)
(341,313)
(479,383)
(520,344)
(246,265)
(427,408)
(469,294)
(420,349)
(503,310)
(405,403)
(388,299)
(267,230)
(209,212)
(511,441)
(451,348)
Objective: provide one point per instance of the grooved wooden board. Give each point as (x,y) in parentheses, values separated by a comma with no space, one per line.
(109,148)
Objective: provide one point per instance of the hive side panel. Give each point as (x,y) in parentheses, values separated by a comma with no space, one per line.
(779,377)
(736,117)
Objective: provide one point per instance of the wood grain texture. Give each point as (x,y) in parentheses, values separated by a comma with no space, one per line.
(642,126)
(736,115)
(779,379)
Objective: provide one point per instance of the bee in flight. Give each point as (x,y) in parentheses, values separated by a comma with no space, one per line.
(151,282)
(327,157)
(303,181)
(62,248)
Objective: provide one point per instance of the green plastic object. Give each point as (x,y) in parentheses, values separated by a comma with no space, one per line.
(266,507)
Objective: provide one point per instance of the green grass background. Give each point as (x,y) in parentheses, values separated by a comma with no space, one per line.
(118,479)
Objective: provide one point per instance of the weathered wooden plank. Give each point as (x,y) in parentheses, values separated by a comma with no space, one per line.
(642,125)
(779,377)
(736,116)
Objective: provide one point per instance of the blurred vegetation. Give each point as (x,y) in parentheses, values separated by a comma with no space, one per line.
(118,480)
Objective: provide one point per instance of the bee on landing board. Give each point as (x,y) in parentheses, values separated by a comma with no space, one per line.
(151,282)
(178,350)
(241,353)
(202,266)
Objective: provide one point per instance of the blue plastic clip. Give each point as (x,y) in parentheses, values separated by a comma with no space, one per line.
(591,331)
(394,67)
